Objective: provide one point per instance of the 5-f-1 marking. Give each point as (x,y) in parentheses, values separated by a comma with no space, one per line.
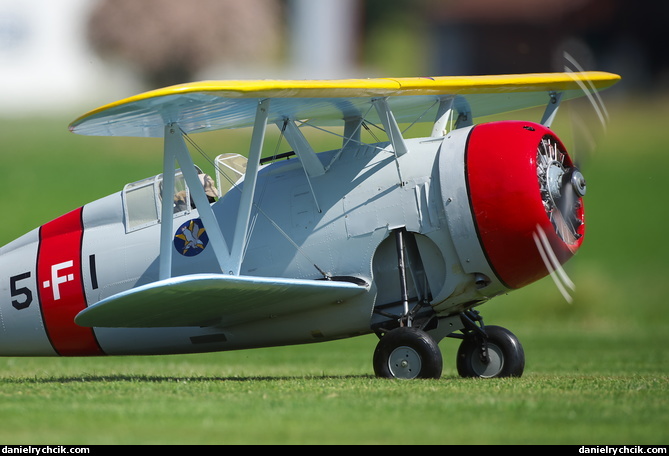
(24,297)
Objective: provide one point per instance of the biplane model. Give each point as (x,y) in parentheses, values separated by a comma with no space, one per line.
(403,237)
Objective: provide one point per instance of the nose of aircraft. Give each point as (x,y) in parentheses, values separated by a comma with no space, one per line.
(526,196)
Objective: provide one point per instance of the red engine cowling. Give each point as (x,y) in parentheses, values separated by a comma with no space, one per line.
(525,194)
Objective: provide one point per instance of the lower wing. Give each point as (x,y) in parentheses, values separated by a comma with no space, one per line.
(214,299)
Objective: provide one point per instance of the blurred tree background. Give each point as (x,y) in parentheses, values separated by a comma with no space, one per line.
(171,41)
(82,53)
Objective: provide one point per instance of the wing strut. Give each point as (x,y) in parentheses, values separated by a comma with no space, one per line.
(444,116)
(248,190)
(310,162)
(229,259)
(176,150)
(551,109)
(393,131)
(390,124)
(167,195)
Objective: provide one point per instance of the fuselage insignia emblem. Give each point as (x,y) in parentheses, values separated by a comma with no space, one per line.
(191,238)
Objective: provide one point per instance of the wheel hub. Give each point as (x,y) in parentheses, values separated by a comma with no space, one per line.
(404,362)
(493,366)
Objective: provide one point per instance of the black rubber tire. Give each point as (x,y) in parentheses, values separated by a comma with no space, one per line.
(507,357)
(407,353)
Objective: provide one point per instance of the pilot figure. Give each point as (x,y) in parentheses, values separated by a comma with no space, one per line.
(209,189)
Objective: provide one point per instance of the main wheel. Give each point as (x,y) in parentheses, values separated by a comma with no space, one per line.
(407,353)
(506,357)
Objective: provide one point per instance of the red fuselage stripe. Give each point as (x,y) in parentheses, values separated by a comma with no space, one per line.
(61,290)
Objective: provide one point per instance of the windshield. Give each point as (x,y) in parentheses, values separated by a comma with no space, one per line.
(142,201)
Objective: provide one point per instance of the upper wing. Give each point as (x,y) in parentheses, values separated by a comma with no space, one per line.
(212,105)
(213,299)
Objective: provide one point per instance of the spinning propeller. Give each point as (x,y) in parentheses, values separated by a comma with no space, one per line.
(562,184)
(562,187)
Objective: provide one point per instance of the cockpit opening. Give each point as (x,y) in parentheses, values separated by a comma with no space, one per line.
(142,200)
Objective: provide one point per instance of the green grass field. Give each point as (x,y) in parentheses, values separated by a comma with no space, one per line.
(597,370)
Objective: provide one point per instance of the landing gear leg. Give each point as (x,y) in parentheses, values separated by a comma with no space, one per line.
(488,351)
(401,267)
(408,351)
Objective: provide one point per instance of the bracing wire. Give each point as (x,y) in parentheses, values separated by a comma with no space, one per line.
(420,117)
(255,205)
(363,124)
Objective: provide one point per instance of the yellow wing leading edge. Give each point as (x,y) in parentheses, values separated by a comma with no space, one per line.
(211,105)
